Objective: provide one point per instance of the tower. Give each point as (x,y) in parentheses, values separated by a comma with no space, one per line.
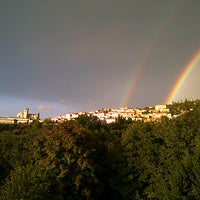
(26,113)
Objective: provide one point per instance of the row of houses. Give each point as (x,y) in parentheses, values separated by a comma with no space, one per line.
(111,115)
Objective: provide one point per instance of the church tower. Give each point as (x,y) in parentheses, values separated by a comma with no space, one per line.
(26,113)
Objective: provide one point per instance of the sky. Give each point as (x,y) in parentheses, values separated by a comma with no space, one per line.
(72,55)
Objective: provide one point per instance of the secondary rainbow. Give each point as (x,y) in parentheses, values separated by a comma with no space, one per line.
(131,85)
(149,50)
(136,74)
(184,74)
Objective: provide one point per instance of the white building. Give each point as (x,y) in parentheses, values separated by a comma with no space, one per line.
(162,108)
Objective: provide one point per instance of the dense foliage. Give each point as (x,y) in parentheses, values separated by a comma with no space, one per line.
(88,159)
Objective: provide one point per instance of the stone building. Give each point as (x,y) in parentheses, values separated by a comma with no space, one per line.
(22,118)
(26,115)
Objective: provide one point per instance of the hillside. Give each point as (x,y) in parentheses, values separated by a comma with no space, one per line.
(85,158)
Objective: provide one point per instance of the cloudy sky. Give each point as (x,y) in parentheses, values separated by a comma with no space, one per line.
(58,56)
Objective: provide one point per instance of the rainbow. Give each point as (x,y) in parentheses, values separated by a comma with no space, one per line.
(149,50)
(131,86)
(184,74)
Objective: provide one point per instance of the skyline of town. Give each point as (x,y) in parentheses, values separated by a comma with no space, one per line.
(109,115)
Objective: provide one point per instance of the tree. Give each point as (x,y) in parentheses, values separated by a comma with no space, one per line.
(66,164)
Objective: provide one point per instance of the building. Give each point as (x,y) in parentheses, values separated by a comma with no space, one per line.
(22,118)
(26,115)
(162,108)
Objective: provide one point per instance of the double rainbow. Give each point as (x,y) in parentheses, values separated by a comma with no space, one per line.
(184,74)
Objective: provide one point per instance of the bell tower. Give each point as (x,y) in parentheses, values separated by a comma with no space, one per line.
(26,112)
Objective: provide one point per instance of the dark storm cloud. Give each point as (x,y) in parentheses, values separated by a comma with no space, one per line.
(84,53)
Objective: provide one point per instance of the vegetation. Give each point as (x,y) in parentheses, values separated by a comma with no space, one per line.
(88,159)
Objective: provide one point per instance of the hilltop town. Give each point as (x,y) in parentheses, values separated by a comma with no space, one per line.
(111,115)
(108,115)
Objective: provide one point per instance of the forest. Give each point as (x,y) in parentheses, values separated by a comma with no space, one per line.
(92,160)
